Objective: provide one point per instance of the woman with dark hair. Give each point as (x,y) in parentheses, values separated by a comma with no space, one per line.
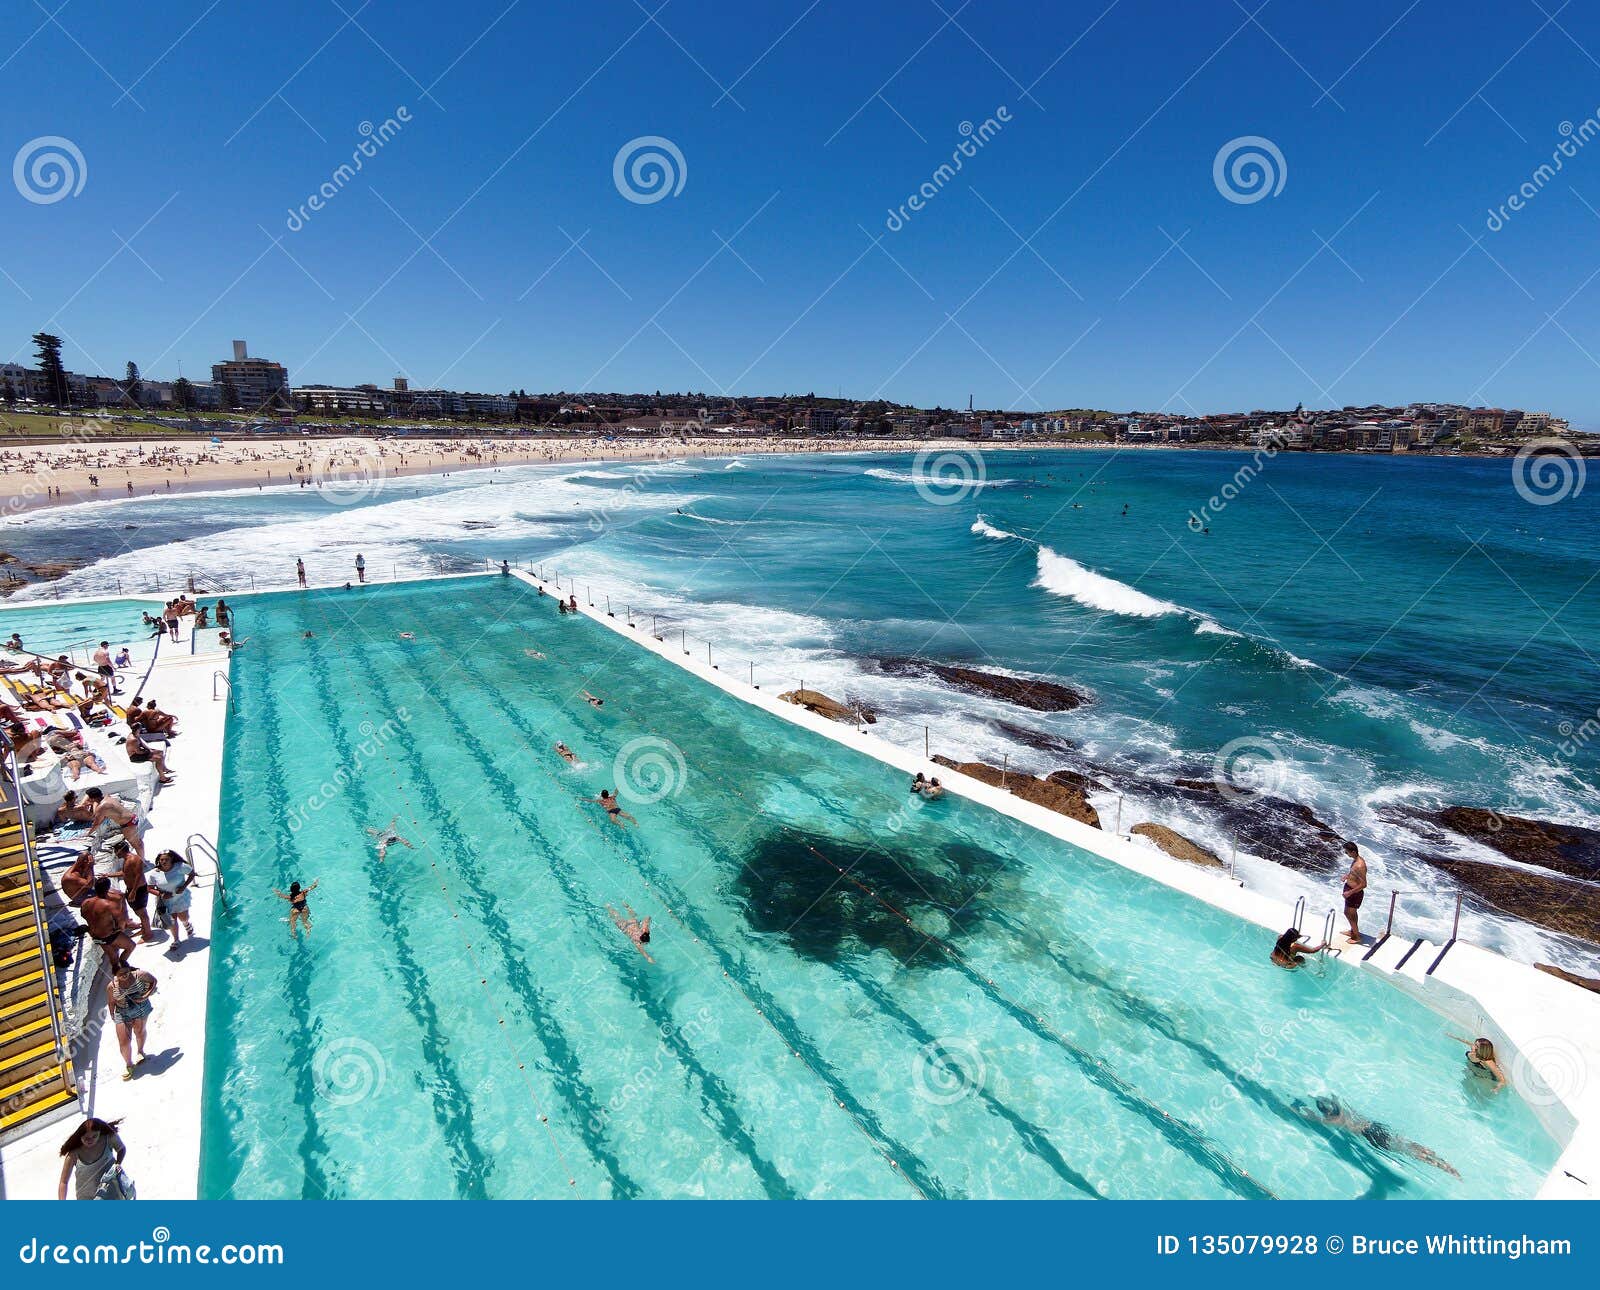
(1290,950)
(93,1148)
(299,911)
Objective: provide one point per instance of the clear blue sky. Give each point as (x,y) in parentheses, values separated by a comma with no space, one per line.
(203,126)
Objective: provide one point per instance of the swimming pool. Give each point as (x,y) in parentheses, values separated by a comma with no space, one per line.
(850,996)
(55,628)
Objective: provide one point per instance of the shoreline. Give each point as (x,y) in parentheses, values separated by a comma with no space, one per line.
(30,474)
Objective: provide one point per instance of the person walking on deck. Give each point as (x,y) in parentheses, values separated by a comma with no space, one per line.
(300,571)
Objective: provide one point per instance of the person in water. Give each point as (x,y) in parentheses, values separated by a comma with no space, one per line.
(1290,950)
(1328,1110)
(566,754)
(386,837)
(1481,1060)
(299,911)
(932,791)
(613,808)
(592,701)
(637,930)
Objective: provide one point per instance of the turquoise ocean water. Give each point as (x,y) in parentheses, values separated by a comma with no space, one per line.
(1385,634)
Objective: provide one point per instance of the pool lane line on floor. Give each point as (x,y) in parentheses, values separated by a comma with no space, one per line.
(914,1173)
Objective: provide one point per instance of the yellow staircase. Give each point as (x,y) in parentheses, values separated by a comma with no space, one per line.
(36,1081)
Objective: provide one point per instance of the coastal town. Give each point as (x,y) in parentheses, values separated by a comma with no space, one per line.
(249,393)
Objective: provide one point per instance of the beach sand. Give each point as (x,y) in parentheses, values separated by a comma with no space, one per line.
(60,474)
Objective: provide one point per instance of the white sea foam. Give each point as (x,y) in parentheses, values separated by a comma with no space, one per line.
(1062,576)
(982,527)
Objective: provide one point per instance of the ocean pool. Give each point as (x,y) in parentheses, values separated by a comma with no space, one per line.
(853,995)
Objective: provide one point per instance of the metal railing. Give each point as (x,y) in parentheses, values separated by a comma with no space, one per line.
(220,675)
(201,843)
(34,878)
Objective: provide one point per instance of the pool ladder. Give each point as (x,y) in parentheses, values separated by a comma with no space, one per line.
(1327,925)
(199,842)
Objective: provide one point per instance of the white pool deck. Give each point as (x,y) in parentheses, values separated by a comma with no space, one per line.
(1547,1030)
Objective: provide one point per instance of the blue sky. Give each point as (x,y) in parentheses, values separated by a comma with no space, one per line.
(1083,256)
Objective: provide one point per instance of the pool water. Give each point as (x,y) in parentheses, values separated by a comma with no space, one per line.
(853,994)
(55,628)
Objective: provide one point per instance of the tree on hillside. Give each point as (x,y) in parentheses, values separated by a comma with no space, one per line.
(182,394)
(133,387)
(230,396)
(55,376)
(9,392)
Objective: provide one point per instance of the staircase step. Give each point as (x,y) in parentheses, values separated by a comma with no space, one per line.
(24,1035)
(60,1097)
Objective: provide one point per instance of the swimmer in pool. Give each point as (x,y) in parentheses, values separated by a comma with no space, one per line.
(1328,1110)
(408,636)
(1290,950)
(533,653)
(386,837)
(593,701)
(637,930)
(613,808)
(566,754)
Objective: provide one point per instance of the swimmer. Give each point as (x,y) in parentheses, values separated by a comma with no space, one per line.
(299,912)
(408,636)
(533,653)
(593,701)
(932,791)
(386,837)
(1481,1060)
(1328,1110)
(305,636)
(566,754)
(613,807)
(1290,950)
(637,930)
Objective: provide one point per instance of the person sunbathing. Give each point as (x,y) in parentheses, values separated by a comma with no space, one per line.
(152,720)
(140,752)
(74,753)
(72,811)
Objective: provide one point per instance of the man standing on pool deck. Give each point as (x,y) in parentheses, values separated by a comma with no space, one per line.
(1355,890)
(300,571)
(361,568)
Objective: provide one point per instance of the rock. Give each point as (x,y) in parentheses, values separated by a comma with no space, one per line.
(822,705)
(1177,846)
(1024,691)
(1039,740)
(1587,982)
(50,568)
(1572,908)
(1560,848)
(1073,779)
(1271,827)
(1060,798)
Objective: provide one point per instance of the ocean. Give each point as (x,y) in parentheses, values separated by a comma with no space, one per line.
(1328,646)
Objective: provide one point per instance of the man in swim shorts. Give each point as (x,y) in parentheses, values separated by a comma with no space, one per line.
(1355,890)
(106,914)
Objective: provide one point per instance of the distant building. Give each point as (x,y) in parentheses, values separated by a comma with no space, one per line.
(260,382)
(334,399)
(821,420)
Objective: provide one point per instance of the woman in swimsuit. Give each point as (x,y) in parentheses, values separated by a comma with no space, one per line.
(1481,1060)
(1290,951)
(298,910)
(613,808)
(129,996)
(566,754)
(592,701)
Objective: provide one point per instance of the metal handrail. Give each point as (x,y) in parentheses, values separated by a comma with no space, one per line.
(200,842)
(220,675)
(57,1020)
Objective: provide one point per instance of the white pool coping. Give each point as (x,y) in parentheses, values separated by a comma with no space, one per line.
(162,1111)
(1546,1031)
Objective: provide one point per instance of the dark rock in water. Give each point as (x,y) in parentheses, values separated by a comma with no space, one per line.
(1061,798)
(790,886)
(1074,779)
(1587,982)
(823,706)
(1040,740)
(1177,846)
(1572,908)
(1024,691)
(1273,828)
(52,568)
(1560,848)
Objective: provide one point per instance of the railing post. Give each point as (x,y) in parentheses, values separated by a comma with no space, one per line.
(685,641)
(1118,829)
(1005,767)
(1389,926)
(1455,927)
(927,753)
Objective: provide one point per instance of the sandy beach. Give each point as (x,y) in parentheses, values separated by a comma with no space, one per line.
(61,474)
